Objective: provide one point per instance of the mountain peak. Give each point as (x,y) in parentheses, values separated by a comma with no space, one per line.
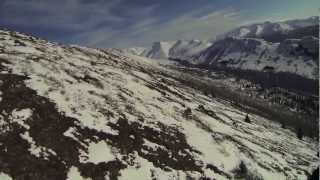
(268,28)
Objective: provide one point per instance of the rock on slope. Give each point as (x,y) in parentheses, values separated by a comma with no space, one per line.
(81,113)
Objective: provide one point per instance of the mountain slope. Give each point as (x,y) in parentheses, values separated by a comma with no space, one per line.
(289,47)
(297,56)
(160,50)
(277,31)
(180,49)
(81,113)
(184,49)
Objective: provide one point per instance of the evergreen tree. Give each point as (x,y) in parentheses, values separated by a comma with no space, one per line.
(314,175)
(205,92)
(299,133)
(283,125)
(247,119)
(213,95)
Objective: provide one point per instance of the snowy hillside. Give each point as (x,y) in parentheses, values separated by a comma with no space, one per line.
(297,56)
(79,113)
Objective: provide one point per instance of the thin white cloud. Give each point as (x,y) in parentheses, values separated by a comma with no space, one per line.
(223,12)
(192,25)
(97,23)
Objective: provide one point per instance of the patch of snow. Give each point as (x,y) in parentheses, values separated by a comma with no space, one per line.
(20,116)
(26,50)
(74,174)
(4,176)
(98,152)
(145,170)
(35,150)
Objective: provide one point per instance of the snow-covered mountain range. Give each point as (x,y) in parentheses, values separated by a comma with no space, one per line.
(272,31)
(184,49)
(170,49)
(289,46)
(70,112)
(297,56)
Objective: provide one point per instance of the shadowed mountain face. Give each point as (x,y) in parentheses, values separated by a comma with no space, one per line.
(81,113)
(298,33)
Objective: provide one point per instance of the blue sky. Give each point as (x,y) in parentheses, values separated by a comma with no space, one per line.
(127,23)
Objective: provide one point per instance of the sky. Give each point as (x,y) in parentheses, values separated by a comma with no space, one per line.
(132,23)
